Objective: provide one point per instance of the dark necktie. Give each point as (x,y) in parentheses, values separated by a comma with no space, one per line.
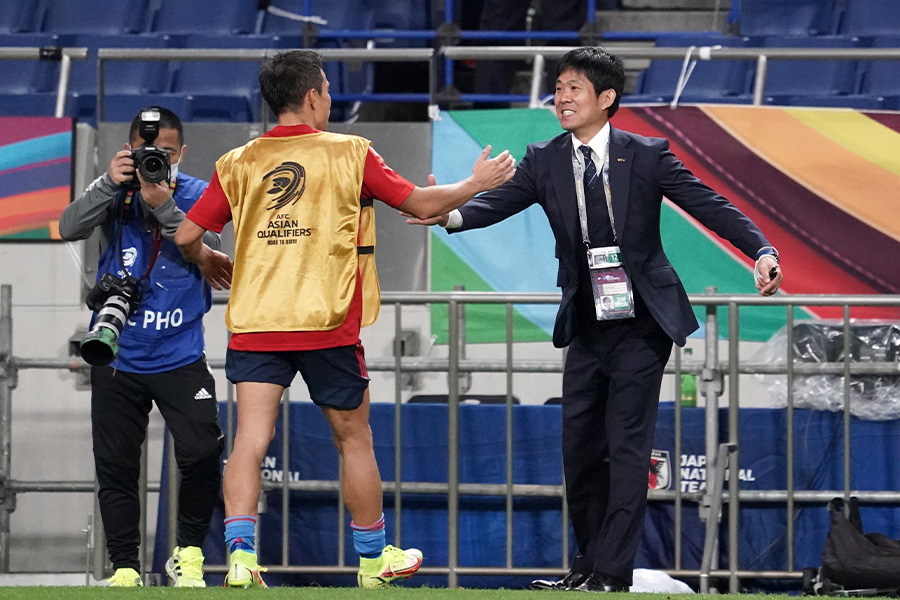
(599,229)
(590,169)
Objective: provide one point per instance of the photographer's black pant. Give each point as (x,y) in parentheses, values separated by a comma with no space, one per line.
(120,408)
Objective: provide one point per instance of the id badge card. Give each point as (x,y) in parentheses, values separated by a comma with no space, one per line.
(613,298)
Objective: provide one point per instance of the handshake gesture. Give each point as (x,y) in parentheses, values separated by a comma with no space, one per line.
(487,173)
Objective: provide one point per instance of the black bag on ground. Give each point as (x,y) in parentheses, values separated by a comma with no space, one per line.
(854,560)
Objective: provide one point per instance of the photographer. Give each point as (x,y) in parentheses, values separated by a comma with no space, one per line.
(147,343)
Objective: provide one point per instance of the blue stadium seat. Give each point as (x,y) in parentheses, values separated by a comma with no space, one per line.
(205,17)
(723,81)
(28,87)
(810,82)
(881,78)
(864,18)
(17,16)
(122,80)
(218,91)
(339,14)
(98,18)
(787,17)
(399,14)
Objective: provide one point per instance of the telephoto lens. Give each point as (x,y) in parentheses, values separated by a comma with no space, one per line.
(114,300)
(101,344)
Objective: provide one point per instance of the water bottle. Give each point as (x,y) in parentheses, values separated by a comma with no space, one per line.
(688,384)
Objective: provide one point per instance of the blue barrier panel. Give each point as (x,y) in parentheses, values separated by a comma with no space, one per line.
(537,531)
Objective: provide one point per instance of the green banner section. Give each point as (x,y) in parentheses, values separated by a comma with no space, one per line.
(40,233)
(512,129)
(477,261)
(699,260)
(484,322)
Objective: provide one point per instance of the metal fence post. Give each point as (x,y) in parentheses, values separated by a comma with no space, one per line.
(7,383)
(453,384)
(711,389)
(734,482)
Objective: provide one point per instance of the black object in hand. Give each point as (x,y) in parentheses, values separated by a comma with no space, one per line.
(773,272)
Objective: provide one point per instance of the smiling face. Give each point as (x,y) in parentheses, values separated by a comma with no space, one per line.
(579,108)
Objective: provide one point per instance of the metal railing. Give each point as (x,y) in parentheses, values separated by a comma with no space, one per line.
(65,56)
(712,371)
(761,56)
(254,55)
(537,54)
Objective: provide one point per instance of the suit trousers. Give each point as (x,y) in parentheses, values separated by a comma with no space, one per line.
(120,408)
(611,384)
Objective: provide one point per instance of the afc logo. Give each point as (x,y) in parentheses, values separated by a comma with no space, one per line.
(288,182)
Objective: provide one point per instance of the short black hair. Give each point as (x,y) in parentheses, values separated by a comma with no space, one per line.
(603,70)
(167,120)
(286,78)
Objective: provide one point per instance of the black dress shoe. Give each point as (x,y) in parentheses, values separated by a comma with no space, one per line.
(571,581)
(601,582)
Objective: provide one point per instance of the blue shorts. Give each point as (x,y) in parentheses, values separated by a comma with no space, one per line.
(335,377)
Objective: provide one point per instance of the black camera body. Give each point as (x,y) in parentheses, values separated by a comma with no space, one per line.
(114,299)
(110,285)
(151,162)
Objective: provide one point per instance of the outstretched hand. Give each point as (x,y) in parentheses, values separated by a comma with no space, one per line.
(488,173)
(216,268)
(768,275)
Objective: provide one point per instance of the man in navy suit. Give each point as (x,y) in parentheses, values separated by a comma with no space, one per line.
(602,190)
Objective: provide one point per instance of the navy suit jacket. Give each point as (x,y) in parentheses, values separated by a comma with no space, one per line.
(642,171)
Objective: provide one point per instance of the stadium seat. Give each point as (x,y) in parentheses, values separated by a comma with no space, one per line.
(205,17)
(28,87)
(400,15)
(881,78)
(219,91)
(711,80)
(340,14)
(787,17)
(17,16)
(124,82)
(866,18)
(810,82)
(97,18)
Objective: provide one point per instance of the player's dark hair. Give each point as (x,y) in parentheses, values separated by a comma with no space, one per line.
(286,78)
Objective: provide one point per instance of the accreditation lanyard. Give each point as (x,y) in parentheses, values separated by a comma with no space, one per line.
(613,297)
(580,196)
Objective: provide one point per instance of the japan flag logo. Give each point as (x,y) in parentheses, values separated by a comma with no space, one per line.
(660,470)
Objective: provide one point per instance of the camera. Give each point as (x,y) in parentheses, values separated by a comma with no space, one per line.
(114,299)
(151,162)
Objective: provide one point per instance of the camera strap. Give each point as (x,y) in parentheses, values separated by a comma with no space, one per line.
(123,215)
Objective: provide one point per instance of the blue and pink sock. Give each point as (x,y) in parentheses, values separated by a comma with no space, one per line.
(240,533)
(369,540)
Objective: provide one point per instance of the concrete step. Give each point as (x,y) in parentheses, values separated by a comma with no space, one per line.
(661,20)
(711,5)
(45,579)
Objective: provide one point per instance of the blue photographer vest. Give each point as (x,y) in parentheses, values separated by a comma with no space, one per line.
(166,332)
